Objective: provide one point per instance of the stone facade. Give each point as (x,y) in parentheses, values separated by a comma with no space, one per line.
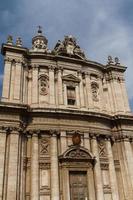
(66,129)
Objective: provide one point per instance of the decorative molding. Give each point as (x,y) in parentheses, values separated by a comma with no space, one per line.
(44,165)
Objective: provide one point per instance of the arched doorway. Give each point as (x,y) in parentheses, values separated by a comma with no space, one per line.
(76,165)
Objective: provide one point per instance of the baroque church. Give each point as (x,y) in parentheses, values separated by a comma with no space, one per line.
(66,129)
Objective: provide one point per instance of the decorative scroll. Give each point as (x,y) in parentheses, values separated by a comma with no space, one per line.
(43,80)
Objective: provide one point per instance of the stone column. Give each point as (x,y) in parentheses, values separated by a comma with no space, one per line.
(54,168)
(6,80)
(112,173)
(88,91)
(97,170)
(35,84)
(2,158)
(82,100)
(34,167)
(129,157)
(60,90)
(51,85)
(11,191)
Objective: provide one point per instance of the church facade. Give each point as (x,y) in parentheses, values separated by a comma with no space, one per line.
(66,129)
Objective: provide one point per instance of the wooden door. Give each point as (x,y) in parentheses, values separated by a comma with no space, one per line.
(78,185)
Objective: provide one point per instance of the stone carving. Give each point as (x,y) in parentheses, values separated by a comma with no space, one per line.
(44,146)
(10,40)
(77,154)
(39,42)
(43,81)
(94,89)
(110,60)
(102,149)
(19,42)
(117,61)
(68,47)
(76,138)
(107,189)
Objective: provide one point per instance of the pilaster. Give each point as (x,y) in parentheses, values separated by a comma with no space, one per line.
(18,81)
(2,160)
(34,84)
(81,91)
(63,141)
(54,168)
(51,85)
(60,90)
(7,79)
(88,91)
(129,157)
(11,188)
(112,173)
(34,166)
(97,170)
(124,95)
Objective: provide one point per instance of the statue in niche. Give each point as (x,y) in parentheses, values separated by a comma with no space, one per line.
(94,89)
(44,85)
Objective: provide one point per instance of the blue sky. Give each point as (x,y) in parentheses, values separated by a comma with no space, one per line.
(102,27)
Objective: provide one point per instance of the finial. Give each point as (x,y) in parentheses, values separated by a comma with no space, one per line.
(19,42)
(110,60)
(10,40)
(117,61)
(39,29)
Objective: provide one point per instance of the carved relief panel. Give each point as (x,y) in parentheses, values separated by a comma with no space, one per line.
(44,147)
(43,88)
(44,166)
(43,84)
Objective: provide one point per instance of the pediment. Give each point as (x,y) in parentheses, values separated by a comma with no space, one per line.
(71,77)
(77,153)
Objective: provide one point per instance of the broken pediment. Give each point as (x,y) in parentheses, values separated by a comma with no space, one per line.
(68,47)
(71,77)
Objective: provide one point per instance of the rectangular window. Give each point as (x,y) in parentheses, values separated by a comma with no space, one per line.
(71,96)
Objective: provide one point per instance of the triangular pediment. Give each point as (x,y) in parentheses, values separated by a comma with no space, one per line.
(71,77)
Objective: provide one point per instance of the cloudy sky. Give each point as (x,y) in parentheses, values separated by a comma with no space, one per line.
(102,27)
